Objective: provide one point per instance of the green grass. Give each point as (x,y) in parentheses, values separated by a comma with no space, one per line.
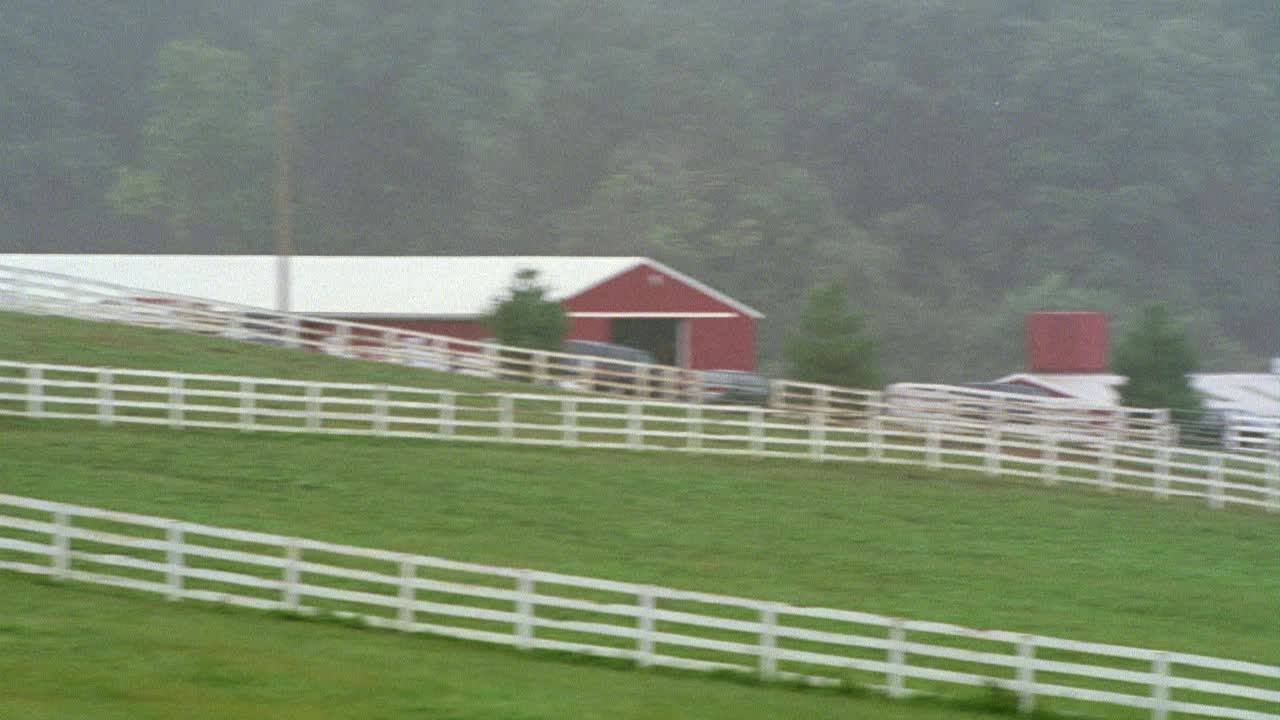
(941,546)
(96,654)
(957,547)
(29,338)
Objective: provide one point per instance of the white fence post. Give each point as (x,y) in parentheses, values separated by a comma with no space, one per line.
(106,397)
(490,365)
(344,341)
(1049,455)
(897,659)
(991,459)
(1162,472)
(524,610)
(61,544)
(295,332)
(757,431)
(569,421)
(175,401)
(635,426)
(817,437)
(448,414)
(540,368)
(875,450)
(768,642)
(292,573)
(507,417)
(1215,481)
(173,564)
(405,614)
(933,443)
(1273,481)
(1026,674)
(823,400)
(1107,464)
(389,350)
(313,420)
(246,405)
(645,624)
(1160,688)
(35,392)
(694,427)
(380,410)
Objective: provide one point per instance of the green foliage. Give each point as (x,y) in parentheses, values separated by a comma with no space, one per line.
(942,160)
(526,318)
(205,158)
(1157,357)
(831,346)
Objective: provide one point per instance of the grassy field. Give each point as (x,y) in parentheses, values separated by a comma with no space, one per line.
(28,338)
(95,654)
(985,553)
(957,547)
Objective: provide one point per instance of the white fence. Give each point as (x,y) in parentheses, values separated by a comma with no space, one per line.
(262,404)
(651,626)
(48,293)
(1251,433)
(979,408)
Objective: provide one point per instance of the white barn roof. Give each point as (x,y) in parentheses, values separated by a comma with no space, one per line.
(366,285)
(1252,393)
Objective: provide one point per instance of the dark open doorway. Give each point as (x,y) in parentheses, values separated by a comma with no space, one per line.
(658,336)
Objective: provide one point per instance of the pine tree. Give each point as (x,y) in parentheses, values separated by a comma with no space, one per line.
(526,318)
(831,345)
(1157,357)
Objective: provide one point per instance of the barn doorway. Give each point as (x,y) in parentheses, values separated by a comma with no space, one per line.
(660,336)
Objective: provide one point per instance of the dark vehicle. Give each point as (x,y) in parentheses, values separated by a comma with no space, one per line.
(612,371)
(735,386)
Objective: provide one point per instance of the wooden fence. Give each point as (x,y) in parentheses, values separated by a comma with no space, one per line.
(650,626)
(49,293)
(182,400)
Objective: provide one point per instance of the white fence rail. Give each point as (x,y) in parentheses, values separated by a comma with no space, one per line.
(1251,433)
(968,410)
(182,400)
(651,626)
(980,408)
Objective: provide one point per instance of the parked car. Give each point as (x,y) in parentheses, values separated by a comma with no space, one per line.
(736,387)
(614,367)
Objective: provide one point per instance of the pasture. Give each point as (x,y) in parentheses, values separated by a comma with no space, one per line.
(939,545)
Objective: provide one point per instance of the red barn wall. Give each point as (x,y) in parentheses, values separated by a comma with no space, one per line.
(724,343)
(581,328)
(645,289)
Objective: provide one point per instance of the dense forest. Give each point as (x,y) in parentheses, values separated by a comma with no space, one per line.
(954,165)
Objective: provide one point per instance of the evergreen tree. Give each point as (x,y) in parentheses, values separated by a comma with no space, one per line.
(831,345)
(1156,356)
(526,318)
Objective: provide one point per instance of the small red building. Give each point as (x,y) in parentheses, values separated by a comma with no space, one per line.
(1067,342)
(632,301)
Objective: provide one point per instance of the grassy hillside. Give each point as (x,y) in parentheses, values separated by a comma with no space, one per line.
(94,654)
(966,549)
(945,546)
(28,338)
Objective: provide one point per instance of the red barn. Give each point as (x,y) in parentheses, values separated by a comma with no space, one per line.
(631,301)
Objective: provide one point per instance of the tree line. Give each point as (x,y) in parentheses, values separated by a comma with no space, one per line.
(952,165)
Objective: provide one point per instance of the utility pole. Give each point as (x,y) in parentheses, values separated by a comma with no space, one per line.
(283,190)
